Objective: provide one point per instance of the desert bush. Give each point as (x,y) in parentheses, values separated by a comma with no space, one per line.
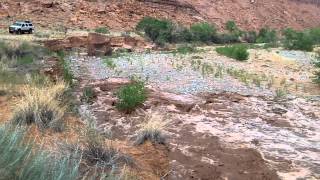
(231,26)
(181,34)
(131,96)
(295,40)
(315,35)
(316,78)
(39,105)
(20,160)
(267,35)
(185,49)
(250,37)
(21,54)
(102,30)
(88,95)
(152,130)
(225,38)
(9,77)
(159,31)
(203,32)
(65,67)
(238,52)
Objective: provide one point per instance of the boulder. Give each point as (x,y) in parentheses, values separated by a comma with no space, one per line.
(183,102)
(68,43)
(99,45)
(57,44)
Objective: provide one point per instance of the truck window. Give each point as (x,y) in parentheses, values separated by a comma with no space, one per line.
(22,25)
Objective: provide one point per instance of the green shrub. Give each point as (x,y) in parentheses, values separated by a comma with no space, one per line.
(20,160)
(250,37)
(102,30)
(233,29)
(231,26)
(25,60)
(238,52)
(226,38)
(181,34)
(316,78)
(159,31)
(131,96)
(88,95)
(203,32)
(267,35)
(315,35)
(295,40)
(185,49)
(65,67)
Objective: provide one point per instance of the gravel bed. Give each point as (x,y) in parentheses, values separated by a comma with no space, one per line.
(300,56)
(159,71)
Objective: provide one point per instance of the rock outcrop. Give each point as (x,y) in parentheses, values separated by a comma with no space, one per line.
(99,45)
(124,15)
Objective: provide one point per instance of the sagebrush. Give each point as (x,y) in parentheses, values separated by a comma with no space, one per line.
(238,52)
(20,160)
(152,130)
(131,96)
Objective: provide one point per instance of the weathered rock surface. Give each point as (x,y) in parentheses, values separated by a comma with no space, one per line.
(98,45)
(124,15)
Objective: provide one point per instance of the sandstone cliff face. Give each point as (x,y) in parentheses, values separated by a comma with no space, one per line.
(254,14)
(124,14)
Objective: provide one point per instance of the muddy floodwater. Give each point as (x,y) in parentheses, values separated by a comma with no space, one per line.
(240,127)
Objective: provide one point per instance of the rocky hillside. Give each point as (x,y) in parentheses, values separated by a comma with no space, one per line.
(124,14)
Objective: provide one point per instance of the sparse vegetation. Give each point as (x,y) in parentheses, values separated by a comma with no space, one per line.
(152,130)
(185,49)
(281,93)
(238,52)
(159,31)
(316,78)
(22,161)
(131,96)
(64,65)
(267,35)
(40,105)
(203,32)
(295,40)
(110,63)
(102,30)
(97,153)
(88,95)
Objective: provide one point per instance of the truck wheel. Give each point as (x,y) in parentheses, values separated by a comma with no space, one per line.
(30,31)
(19,31)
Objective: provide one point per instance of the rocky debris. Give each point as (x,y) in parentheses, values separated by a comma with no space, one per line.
(99,45)
(159,71)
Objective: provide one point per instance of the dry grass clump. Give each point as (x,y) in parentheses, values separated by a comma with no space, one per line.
(152,130)
(99,153)
(40,105)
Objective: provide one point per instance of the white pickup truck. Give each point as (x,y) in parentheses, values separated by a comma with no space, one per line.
(20,27)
